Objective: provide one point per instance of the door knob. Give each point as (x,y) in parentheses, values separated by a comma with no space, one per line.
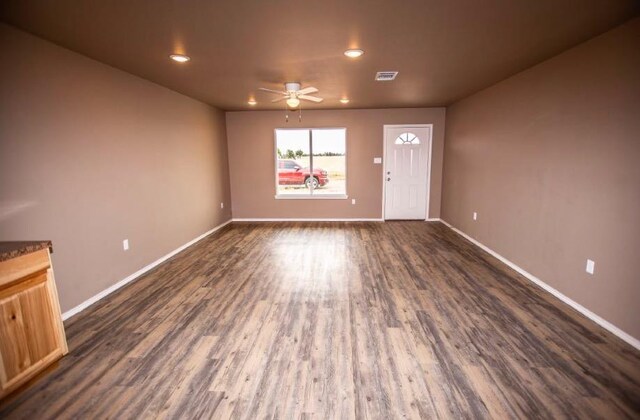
(388,179)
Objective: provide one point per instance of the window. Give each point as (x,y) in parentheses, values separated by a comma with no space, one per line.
(311,163)
(407,138)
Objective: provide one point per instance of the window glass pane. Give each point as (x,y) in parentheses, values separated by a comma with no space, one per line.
(329,161)
(292,149)
(407,138)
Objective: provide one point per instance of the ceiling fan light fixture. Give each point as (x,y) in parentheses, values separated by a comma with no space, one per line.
(252,102)
(353,53)
(344,100)
(180,58)
(293,102)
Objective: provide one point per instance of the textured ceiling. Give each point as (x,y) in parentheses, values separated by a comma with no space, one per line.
(444,50)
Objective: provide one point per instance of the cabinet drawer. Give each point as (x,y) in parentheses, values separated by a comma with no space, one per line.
(23,266)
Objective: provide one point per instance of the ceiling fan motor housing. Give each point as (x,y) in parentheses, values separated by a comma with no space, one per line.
(292,86)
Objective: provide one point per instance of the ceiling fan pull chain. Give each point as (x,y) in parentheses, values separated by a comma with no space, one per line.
(300,114)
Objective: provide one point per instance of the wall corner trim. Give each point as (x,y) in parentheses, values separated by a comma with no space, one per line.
(84,305)
(575,305)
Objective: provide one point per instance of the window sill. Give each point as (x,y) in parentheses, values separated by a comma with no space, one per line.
(312,197)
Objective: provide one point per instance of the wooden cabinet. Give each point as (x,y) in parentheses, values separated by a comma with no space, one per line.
(31,331)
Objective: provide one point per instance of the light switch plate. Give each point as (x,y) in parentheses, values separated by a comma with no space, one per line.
(125,244)
(591,265)
(377,160)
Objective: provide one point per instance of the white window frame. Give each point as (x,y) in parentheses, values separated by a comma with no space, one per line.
(310,196)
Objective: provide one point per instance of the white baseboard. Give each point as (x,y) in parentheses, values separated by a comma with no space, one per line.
(306,220)
(433,219)
(575,305)
(71,312)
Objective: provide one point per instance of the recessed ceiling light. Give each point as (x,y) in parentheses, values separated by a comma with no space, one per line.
(180,58)
(252,102)
(353,53)
(344,100)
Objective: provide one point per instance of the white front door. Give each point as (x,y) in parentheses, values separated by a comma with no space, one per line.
(406,172)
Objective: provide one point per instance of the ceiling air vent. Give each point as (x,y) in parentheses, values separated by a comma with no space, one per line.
(385,76)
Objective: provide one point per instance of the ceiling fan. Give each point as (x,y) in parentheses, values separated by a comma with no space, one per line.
(293,94)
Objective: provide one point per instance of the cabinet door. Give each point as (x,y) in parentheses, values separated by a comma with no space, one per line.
(29,334)
(13,341)
(39,326)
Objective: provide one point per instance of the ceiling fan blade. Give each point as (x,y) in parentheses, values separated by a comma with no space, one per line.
(280,99)
(306,90)
(272,91)
(310,98)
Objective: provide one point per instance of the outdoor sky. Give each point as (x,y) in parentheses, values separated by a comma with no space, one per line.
(324,140)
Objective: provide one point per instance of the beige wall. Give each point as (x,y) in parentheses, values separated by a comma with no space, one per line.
(251,161)
(550,160)
(90,155)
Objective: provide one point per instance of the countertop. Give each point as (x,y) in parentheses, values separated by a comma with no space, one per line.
(12,249)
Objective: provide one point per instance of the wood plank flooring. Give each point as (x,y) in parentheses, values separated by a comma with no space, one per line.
(334,321)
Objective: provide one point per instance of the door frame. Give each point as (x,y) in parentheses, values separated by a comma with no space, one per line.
(384,162)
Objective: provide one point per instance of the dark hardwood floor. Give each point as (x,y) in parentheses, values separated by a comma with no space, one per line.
(338,321)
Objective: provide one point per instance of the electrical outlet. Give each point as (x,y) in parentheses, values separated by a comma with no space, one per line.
(377,160)
(591,265)
(125,244)
(353,201)
(221,205)
(475,216)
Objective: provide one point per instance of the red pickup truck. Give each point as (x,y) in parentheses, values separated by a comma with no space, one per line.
(290,173)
